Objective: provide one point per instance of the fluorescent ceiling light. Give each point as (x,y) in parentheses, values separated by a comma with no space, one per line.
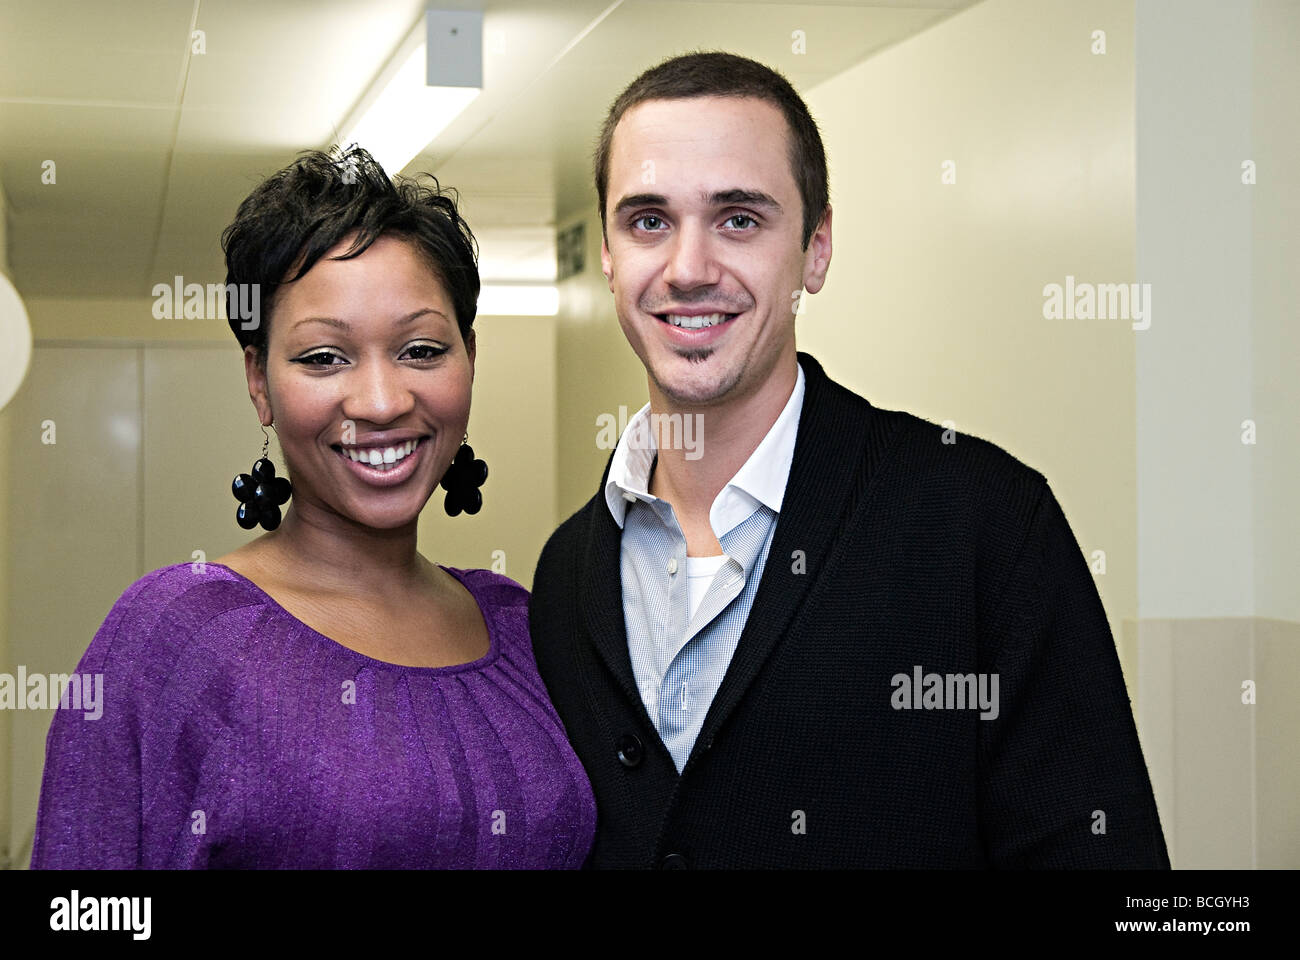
(400,113)
(518,300)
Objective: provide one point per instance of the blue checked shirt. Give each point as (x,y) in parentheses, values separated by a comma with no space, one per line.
(679,659)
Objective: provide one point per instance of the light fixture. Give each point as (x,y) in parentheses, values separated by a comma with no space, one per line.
(434,75)
(16,335)
(518,300)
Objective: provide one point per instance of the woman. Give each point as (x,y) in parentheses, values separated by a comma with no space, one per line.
(324,696)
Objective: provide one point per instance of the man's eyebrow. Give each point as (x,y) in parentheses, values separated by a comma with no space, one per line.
(721,198)
(749,198)
(640,200)
(345,326)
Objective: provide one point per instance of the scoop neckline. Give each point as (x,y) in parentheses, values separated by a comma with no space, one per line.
(489,621)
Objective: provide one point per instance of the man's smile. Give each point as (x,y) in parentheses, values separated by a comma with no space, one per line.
(696,322)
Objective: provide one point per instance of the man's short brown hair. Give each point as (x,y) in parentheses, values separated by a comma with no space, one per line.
(717,74)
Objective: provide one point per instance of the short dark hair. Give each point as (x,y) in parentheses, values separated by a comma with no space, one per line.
(297,215)
(717,74)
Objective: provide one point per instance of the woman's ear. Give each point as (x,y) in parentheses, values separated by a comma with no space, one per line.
(255,373)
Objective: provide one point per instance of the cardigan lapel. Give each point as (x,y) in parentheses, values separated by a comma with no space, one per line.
(840,440)
(601,593)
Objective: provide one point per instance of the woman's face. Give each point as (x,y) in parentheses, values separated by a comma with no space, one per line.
(364,363)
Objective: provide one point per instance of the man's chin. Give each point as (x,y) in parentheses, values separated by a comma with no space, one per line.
(688,381)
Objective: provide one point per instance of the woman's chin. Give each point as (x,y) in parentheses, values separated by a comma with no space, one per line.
(393,516)
(387,519)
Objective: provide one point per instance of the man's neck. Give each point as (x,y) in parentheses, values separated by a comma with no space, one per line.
(725,435)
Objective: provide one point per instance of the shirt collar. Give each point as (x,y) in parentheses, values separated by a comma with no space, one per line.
(760,480)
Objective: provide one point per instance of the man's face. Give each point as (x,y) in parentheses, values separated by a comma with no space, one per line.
(702,248)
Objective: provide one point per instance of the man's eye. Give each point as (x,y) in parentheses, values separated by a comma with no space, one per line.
(322,359)
(425,351)
(740,221)
(648,222)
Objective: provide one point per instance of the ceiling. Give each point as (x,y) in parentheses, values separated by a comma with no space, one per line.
(154,144)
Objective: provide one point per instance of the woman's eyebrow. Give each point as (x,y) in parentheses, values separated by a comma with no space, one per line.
(344,325)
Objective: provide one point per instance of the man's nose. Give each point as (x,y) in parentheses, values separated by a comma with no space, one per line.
(377,393)
(691,258)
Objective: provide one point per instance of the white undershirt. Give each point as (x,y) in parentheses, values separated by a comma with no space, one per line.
(699,574)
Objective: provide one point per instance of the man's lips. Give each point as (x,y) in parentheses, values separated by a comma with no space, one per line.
(695,327)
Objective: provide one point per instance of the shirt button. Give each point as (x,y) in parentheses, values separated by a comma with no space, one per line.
(630,751)
(674,861)
(672,565)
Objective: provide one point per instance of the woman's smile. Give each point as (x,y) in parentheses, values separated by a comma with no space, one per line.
(383,465)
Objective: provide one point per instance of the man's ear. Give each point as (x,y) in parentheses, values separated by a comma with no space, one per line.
(255,373)
(817,258)
(606,263)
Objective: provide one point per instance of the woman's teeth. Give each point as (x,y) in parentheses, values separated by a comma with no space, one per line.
(381,458)
(695,323)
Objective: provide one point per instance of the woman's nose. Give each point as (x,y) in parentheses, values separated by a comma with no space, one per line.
(376,394)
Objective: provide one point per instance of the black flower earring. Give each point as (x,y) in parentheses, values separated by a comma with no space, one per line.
(462,480)
(261,494)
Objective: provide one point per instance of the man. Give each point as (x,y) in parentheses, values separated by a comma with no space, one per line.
(792,629)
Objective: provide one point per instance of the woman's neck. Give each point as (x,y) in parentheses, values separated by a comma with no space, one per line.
(333,554)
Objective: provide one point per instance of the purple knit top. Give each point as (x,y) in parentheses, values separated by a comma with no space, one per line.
(234,735)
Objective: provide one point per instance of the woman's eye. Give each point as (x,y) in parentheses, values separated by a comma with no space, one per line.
(425,351)
(648,222)
(321,359)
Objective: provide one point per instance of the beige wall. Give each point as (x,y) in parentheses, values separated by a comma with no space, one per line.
(1275,291)
(512,428)
(598,372)
(934,301)
(1218,528)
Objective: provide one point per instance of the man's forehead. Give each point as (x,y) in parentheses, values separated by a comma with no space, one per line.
(726,142)
(699,120)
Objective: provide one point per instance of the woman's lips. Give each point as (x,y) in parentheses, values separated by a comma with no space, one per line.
(385,475)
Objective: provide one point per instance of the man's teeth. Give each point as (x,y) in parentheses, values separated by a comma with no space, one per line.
(382,458)
(695,323)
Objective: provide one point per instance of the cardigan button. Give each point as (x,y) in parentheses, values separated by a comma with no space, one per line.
(674,861)
(630,750)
